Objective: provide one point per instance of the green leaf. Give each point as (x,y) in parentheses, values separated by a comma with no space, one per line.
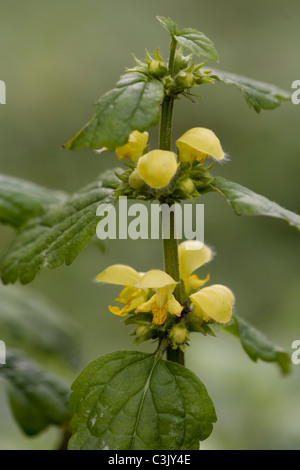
(20,200)
(37,397)
(134,401)
(245,202)
(257,346)
(28,320)
(258,95)
(193,40)
(197,43)
(195,324)
(55,237)
(132,105)
(168,24)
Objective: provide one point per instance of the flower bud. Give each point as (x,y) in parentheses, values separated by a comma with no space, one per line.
(186,186)
(158,68)
(142,331)
(184,80)
(198,144)
(181,62)
(179,334)
(134,147)
(135,181)
(157,168)
(169,84)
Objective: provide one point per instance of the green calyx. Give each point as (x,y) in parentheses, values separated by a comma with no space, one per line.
(188,182)
(181,76)
(179,336)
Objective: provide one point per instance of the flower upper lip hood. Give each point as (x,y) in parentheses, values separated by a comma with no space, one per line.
(192,255)
(157,168)
(198,144)
(134,147)
(119,274)
(213,303)
(124,275)
(156,279)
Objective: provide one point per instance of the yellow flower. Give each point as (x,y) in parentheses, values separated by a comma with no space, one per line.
(198,144)
(157,168)
(210,303)
(213,303)
(192,255)
(119,274)
(134,147)
(137,285)
(163,301)
(130,296)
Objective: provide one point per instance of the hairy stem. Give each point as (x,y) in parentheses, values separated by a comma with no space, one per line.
(170,245)
(165,132)
(172,55)
(171,262)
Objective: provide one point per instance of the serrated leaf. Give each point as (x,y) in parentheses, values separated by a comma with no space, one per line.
(28,320)
(135,401)
(109,177)
(132,105)
(168,24)
(37,397)
(20,200)
(258,346)
(55,237)
(258,95)
(246,202)
(197,43)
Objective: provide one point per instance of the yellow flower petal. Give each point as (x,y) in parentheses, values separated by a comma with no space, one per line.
(195,282)
(192,255)
(119,274)
(198,144)
(134,147)
(157,168)
(159,314)
(126,294)
(226,291)
(129,293)
(163,294)
(213,303)
(132,304)
(174,306)
(147,306)
(155,279)
(121,312)
(160,311)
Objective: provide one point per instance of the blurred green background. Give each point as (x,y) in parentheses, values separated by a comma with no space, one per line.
(57,58)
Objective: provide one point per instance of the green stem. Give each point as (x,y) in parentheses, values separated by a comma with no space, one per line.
(166,118)
(175,355)
(163,345)
(171,262)
(171,265)
(172,55)
(170,246)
